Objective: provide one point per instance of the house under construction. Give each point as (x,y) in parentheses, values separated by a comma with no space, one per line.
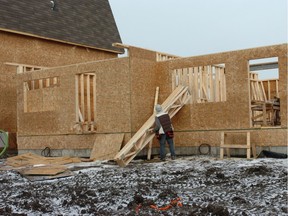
(72,94)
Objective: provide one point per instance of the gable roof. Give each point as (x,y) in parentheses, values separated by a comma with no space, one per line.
(87,23)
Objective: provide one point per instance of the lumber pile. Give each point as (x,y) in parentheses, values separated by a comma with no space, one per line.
(175,101)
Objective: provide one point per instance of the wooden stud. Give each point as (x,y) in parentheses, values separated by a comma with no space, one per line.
(195,92)
(190,85)
(88,98)
(77,98)
(248,145)
(150,143)
(94,98)
(217,94)
(222,145)
(82,95)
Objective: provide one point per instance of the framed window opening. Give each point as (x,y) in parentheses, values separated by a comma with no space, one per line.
(264,92)
(85,102)
(205,83)
(37,94)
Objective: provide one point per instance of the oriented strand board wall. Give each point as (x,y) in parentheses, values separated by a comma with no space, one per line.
(32,51)
(143,88)
(125,96)
(202,122)
(112,106)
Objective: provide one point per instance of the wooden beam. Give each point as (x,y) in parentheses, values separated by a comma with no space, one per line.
(77,98)
(150,143)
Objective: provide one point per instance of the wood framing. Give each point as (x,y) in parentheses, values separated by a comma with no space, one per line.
(206,83)
(227,146)
(143,136)
(85,102)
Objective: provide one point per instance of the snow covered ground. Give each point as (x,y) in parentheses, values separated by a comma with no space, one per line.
(186,186)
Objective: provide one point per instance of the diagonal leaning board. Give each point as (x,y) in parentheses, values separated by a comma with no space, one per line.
(175,101)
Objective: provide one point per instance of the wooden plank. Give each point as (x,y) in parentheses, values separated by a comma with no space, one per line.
(33,159)
(150,143)
(44,170)
(25,89)
(190,84)
(88,98)
(221,145)
(185,77)
(200,83)
(210,82)
(82,95)
(77,98)
(94,102)
(277,88)
(217,94)
(244,146)
(32,178)
(222,86)
(195,91)
(180,76)
(106,146)
(263,91)
(248,145)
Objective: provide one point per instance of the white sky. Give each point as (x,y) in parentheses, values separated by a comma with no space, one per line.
(197,27)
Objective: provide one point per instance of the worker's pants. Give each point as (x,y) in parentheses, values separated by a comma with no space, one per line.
(163,139)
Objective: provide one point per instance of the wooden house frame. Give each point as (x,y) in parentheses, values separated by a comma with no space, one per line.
(116,96)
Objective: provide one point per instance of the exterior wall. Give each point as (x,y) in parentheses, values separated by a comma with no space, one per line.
(125,97)
(202,122)
(54,129)
(32,51)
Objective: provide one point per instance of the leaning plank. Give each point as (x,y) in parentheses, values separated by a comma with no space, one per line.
(175,101)
(150,143)
(106,146)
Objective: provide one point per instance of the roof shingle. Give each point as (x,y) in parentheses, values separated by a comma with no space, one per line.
(89,23)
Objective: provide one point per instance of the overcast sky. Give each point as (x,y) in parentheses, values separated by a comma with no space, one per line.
(196,27)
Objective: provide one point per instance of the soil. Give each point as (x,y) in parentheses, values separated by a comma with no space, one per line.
(186,186)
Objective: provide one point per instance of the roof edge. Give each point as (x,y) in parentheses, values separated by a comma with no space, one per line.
(60,41)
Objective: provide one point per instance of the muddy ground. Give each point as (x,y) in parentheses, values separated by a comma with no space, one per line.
(186,186)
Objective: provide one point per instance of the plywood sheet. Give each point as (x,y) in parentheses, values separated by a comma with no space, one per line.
(44,170)
(33,159)
(67,173)
(106,146)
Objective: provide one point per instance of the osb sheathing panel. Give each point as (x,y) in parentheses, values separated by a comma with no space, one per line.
(112,99)
(259,137)
(143,88)
(8,101)
(57,142)
(118,111)
(221,115)
(32,51)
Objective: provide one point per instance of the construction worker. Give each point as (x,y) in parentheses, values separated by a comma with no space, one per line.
(164,132)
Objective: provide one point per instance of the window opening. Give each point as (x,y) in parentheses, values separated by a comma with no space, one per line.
(264,92)
(205,83)
(36,98)
(85,90)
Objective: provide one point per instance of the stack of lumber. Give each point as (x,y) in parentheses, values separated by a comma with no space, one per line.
(30,164)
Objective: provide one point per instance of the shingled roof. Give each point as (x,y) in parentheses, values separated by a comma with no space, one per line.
(87,23)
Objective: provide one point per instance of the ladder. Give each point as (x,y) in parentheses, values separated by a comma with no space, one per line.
(175,101)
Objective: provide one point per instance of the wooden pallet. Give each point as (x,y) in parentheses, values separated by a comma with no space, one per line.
(175,101)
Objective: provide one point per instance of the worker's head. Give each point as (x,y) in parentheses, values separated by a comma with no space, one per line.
(158,108)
